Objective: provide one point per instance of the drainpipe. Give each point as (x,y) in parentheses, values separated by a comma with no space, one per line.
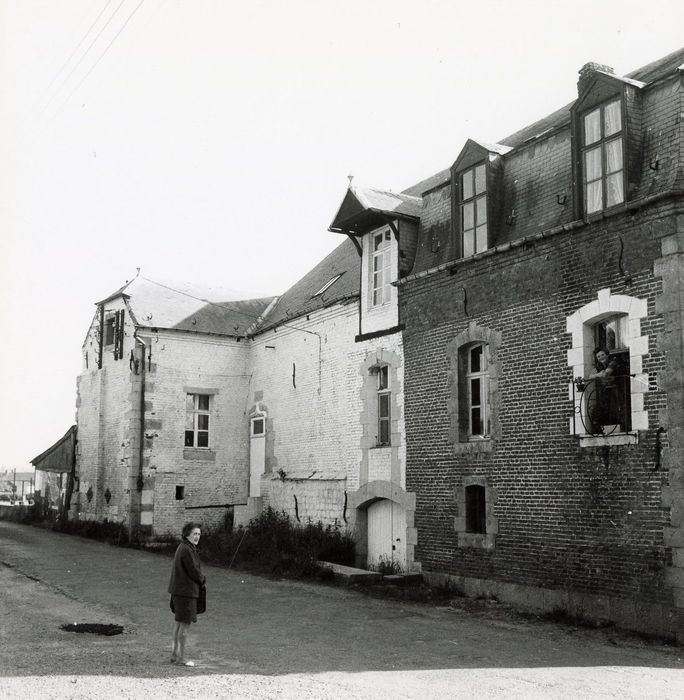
(140,481)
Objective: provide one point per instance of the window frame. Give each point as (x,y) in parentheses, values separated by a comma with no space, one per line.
(195,413)
(110,329)
(383,253)
(472,200)
(459,438)
(601,144)
(482,376)
(384,413)
(252,426)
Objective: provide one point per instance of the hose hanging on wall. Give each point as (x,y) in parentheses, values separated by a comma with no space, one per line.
(296,508)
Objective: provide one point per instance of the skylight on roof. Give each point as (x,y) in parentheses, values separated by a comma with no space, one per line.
(327,285)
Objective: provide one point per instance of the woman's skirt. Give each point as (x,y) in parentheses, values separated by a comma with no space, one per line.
(184,608)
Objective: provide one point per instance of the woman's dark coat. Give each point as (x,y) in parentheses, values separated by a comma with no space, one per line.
(186,573)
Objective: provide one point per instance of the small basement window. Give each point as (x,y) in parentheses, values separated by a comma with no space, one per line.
(180,493)
(475,509)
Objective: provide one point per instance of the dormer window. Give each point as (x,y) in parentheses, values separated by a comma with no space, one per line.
(382,268)
(477,190)
(474,210)
(602,157)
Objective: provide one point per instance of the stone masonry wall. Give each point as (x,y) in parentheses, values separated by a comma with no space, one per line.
(104,453)
(211,478)
(314,428)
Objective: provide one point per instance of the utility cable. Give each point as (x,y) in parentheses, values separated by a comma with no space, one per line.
(78,46)
(80,60)
(104,53)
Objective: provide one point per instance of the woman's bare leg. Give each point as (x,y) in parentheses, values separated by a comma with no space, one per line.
(176,642)
(183,628)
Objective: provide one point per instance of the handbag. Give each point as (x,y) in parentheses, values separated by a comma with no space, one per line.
(202,600)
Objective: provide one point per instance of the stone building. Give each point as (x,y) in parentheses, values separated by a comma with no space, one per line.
(542,477)
(191,406)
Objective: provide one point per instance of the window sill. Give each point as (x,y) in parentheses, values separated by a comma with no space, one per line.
(608,440)
(199,454)
(381,447)
(476,540)
(474,446)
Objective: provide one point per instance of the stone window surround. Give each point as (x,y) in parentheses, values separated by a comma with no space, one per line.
(475,539)
(369,413)
(580,326)
(260,410)
(472,335)
(200,454)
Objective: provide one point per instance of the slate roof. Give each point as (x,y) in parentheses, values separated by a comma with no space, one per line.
(190,307)
(364,208)
(388,202)
(59,457)
(299,300)
(646,74)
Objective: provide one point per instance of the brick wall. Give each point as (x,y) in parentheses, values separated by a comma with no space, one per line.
(581,519)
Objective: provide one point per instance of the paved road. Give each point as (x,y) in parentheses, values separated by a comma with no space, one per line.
(264,639)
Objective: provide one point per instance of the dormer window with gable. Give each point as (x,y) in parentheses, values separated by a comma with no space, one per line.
(603,173)
(606,136)
(476,184)
(383,227)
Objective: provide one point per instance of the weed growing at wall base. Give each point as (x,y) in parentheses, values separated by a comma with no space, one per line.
(274,544)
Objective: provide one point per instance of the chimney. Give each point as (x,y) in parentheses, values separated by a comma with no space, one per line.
(586,74)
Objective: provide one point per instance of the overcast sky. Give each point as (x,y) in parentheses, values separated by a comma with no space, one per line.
(210,141)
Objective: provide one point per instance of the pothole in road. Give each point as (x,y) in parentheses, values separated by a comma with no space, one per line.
(93,628)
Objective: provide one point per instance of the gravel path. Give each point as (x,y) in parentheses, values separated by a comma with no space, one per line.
(267,639)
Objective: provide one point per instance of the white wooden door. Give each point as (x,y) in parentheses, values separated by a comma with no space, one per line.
(386,533)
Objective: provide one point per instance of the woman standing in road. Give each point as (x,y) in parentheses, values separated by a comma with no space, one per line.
(186,582)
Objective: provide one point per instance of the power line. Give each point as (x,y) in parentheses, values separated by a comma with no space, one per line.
(116,36)
(102,55)
(78,46)
(80,60)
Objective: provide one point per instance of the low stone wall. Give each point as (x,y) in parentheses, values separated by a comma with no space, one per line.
(15,513)
(626,613)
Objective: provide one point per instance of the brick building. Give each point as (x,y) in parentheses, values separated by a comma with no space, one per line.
(544,475)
